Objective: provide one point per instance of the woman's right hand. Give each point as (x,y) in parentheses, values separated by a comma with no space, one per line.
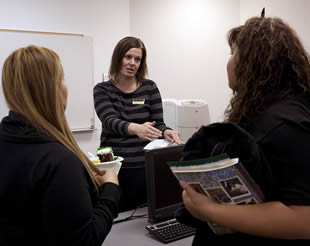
(106,176)
(145,131)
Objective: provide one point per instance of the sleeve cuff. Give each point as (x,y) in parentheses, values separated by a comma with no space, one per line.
(111,192)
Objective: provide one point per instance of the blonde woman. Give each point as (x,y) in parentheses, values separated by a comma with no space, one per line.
(50,193)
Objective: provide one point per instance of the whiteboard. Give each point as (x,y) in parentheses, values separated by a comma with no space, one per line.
(76,55)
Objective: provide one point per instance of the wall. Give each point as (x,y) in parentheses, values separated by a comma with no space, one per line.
(106,21)
(186,39)
(296,13)
(187,47)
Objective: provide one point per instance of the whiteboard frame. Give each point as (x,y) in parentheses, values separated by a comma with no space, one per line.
(86,48)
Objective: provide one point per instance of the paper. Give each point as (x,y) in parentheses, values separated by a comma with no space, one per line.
(158,143)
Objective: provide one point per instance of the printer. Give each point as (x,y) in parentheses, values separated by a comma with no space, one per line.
(185,116)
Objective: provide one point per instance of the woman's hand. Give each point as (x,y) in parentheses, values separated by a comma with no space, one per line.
(172,136)
(145,131)
(195,202)
(107,175)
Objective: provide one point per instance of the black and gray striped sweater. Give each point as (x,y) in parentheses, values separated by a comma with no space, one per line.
(117,109)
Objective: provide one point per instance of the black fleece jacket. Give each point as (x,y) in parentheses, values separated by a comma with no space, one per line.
(46,194)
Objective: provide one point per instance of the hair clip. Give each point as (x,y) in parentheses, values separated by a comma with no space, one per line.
(262,15)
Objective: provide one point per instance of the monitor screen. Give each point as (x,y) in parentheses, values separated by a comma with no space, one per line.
(164,193)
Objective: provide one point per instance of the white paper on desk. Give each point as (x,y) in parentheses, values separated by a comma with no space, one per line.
(158,143)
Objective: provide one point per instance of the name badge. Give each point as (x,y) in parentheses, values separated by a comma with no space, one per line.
(138,101)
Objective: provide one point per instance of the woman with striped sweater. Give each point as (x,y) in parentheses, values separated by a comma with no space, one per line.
(130,109)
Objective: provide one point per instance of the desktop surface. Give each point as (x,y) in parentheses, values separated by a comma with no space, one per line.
(133,232)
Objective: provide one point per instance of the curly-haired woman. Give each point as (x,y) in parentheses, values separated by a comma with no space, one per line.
(269,74)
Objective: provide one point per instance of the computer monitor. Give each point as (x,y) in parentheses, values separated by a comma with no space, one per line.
(164,193)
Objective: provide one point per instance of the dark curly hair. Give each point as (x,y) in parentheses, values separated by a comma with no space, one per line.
(271,64)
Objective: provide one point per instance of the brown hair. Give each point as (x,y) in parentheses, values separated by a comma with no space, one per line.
(271,64)
(119,52)
(31,81)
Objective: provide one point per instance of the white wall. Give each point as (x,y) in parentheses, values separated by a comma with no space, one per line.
(295,13)
(187,47)
(185,39)
(106,21)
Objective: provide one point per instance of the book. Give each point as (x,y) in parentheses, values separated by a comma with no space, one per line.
(222,179)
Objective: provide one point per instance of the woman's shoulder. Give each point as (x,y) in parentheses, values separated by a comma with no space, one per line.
(54,158)
(105,88)
(291,112)
(293,109)
(57,154)
(104,85)
(149,82)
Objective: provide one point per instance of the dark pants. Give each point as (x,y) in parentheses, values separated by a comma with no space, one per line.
(133,188)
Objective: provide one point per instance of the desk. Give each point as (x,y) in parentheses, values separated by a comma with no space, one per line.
(133,232)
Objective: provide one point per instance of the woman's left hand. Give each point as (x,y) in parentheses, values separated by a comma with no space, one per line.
(106,176)
(172,136)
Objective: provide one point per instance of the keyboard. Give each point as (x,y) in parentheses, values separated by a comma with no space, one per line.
(170,230)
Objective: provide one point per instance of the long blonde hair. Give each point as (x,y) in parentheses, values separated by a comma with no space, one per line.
(31,81)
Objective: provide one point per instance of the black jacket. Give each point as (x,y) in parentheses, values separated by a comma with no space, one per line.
(265,147)
(46,194)
(233,140)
